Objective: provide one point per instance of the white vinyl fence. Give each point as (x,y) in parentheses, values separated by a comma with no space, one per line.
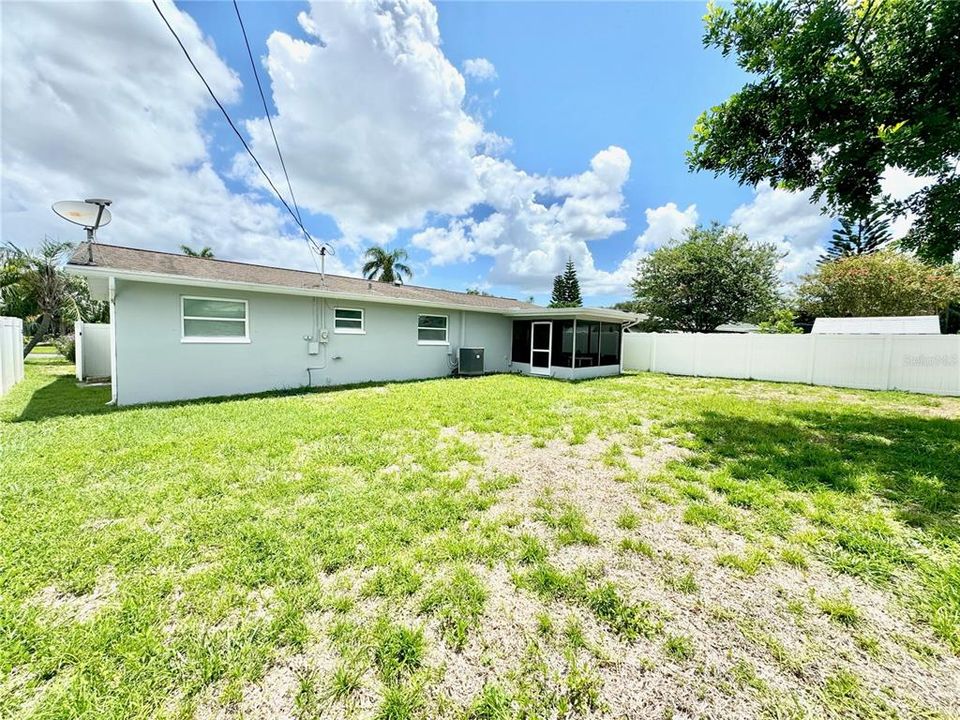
(11,353)
(93,350)
(916,363)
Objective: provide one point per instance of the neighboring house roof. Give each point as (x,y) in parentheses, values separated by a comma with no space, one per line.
(154,266)
(737,327)
(149,265)
(905,325)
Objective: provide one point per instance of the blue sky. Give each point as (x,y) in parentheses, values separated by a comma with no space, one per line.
(571,145)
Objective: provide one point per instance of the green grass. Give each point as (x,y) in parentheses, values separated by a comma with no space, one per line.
(457,601)
(748,563)
(570,523)
(679,647)
(840,609)
(604,599)
(204,535)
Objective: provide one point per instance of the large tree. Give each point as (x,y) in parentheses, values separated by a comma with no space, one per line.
(566,288)
(713,276)
(386,266)
(879,284)
(839,92)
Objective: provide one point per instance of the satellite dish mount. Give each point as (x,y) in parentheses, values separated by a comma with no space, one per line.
(91,214)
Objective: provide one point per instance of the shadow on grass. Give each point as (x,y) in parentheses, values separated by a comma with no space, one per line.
(909,460)
(61,396)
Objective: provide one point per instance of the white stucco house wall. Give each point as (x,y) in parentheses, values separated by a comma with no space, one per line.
(184,327)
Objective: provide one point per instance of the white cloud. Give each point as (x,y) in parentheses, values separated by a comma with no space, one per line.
(371,118)
(98,101)
(899,185)
(664,223)
(479,69)
(789,220)
(537,222)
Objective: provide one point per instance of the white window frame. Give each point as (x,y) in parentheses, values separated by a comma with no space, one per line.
(362,330)
(231,339)
(446,330)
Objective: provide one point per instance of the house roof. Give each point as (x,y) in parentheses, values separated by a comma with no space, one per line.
(904,325)
(151,265)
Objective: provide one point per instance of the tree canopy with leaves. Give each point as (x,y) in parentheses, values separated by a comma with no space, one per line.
(386,266)
(566,288)
(881,284)
(858,237)
(840,92)
(713,276)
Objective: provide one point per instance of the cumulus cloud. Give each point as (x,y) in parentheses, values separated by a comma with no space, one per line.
(899,185)
(789,220)
(371,116)
(665,223)
(535,223)
(90,109)
(479,69)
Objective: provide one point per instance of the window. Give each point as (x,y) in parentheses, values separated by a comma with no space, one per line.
(432,329)
(609,344)
(521,341)
(587,343)
(562,343)
(214,320)
(348,321)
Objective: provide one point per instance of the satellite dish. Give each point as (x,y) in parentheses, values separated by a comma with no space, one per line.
(91,214)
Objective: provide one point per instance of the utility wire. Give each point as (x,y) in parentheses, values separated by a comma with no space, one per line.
(266,110)
(226,115)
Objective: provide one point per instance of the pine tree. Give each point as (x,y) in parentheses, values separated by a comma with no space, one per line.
(858,237)
(566,288)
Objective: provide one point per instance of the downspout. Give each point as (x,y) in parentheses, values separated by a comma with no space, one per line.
(112,299)
(623,334)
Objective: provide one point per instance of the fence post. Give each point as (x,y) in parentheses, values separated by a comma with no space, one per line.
(653,352)
(887,359)
(78,349)
(811,363)
(696,354)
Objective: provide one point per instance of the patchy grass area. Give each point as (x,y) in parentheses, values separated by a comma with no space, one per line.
(500,547)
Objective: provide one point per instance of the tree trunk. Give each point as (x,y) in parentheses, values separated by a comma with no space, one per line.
(38,335)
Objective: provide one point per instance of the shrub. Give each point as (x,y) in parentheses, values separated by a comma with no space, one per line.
(67,346)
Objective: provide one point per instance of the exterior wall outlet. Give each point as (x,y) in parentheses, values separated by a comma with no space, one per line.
(313,348)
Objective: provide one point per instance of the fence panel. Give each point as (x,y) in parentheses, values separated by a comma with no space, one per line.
(781,358)
(93,350)
(916,363)
(11,353)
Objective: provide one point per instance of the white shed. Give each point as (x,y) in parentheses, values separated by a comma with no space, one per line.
(904,325)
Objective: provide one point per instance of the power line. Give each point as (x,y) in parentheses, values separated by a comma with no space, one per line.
(266,110)
(295,215)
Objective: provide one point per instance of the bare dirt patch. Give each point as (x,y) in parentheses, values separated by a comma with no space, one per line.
(77,608)
(732,643)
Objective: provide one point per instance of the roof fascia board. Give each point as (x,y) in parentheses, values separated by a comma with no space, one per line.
(584,314)
(165,279)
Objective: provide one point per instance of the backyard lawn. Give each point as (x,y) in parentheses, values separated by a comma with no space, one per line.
(642,546)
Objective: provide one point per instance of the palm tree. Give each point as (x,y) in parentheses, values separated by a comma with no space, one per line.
(386,266)
(205,252)
(42,281)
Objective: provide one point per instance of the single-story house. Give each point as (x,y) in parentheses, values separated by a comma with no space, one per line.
(185,327)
